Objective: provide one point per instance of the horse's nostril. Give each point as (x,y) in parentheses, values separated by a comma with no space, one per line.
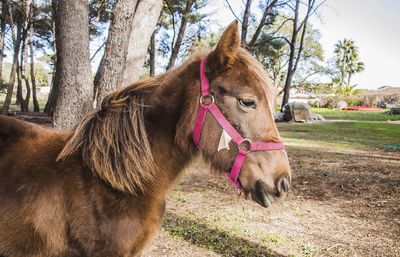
(283,185)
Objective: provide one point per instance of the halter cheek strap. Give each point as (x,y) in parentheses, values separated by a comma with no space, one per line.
(245,146)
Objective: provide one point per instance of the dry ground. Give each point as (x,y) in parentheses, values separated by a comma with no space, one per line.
(342,203)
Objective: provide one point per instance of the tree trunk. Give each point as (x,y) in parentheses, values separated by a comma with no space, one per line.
(292,45)
(286,92)
(348,78)
(181,34)
(11,81)
(52,98)
(73,74)
(53,95)
(144,23)
(2,35)
(343,69)
(36,107)
(110,73)
(19,86)
(24,101)
(245,22)
(152,53)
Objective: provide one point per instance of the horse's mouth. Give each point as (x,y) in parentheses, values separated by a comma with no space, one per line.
(261,195)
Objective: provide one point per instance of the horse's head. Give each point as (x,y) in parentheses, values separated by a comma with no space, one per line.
(241,90)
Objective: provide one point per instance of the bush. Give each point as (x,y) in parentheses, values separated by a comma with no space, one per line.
(329,102)
(354,100)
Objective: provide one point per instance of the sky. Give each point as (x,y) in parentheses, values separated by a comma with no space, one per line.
(374,25)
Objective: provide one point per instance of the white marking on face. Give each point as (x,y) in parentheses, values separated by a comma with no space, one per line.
(224,141)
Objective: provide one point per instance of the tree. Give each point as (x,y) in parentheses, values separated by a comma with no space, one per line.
(36,107)
(73,74)
(269,11)
(131,37)
(184,20)
(99,16)
(312,63)
(245,22)
(347,60)
(273,51)
(143,27)
(25,20)
(112,66)
(110,73)
(296,44)
(26,17)
(16,41)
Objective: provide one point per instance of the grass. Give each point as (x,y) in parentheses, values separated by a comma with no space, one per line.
(212,238)
(352,134)
(331,114)
(308,250)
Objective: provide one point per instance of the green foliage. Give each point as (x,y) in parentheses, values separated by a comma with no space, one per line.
(316,89)
(346,90)
(273,52)
(347,93)
(170,20)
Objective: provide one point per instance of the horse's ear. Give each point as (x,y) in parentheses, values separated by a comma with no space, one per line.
(228,44)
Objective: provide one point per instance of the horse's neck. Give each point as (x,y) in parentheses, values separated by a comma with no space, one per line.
(165,123)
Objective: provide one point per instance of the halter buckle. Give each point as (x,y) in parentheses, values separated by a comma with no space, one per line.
(207,99)
(245,145)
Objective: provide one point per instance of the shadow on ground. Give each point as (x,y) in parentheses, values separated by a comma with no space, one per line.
(214,239)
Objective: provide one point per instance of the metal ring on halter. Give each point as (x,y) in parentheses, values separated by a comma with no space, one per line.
(249,142)
(203,97)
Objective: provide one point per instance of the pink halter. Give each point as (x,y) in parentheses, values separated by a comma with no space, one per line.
(249,146)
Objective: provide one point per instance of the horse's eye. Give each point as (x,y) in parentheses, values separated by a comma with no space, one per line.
(248,103)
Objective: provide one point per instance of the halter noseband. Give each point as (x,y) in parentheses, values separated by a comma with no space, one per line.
(245,145)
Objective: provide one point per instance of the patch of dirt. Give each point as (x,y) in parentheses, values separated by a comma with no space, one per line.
(340,204)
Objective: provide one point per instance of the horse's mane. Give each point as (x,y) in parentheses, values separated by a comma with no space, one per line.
(113,141)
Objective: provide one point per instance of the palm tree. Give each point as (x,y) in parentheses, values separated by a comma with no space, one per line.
(347,60)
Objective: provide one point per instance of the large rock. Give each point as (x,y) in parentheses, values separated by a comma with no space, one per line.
(298,112)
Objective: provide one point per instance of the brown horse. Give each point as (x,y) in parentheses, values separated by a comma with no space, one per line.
(100,189)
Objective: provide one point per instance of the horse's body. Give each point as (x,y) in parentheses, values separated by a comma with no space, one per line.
(100,189)
(51,208)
